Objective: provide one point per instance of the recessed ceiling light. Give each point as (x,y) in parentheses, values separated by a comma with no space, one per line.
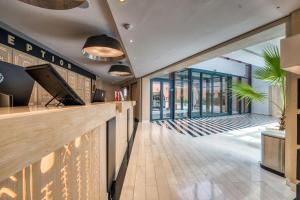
(131,41)
(103,48)
(123,1)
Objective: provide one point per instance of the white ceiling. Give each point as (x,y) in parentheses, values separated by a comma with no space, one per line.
(63,31)
(166,31)
(254,55)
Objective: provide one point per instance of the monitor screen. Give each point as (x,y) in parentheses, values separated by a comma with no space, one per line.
(99,96)
(53,83)
(14,81)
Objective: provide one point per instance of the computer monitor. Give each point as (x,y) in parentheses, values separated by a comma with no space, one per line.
(15,82)
(53,83)
(99,96)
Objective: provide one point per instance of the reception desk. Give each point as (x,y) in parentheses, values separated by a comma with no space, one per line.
(62,153)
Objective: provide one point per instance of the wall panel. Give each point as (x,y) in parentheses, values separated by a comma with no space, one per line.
(5,53)
(39,96)
(71,172)
(87,90)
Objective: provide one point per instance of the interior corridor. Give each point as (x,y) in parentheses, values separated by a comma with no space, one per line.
(222,166)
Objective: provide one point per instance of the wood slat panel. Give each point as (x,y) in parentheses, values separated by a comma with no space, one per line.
(39,96)
(28,136)
(5,53)
(74,171)
(58,153)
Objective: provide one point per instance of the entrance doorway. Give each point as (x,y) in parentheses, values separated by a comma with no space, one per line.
(209,94)
(195,93)
(161,99)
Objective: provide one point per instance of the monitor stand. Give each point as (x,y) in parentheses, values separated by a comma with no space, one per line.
(59,103)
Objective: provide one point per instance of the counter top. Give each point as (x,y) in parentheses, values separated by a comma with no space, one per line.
(29,133)
(274,133)
(28,110)
(7,112)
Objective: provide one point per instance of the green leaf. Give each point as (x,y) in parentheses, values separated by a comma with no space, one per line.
(245,92)
(272,71)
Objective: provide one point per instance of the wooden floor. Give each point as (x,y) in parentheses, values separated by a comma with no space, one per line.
(223,166)
(214,125)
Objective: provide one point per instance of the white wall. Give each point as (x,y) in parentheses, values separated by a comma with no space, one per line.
(261,86)
(239,69)
(222,65)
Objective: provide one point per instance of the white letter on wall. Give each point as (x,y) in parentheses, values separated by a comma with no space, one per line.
(43,53)
(11,40)
(28,47)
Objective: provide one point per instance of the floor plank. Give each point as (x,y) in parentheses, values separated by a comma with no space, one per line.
(164,165)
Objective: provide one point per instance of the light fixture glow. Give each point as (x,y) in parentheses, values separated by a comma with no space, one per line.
(47,162)
(119,70)
(55,4)
(103,48)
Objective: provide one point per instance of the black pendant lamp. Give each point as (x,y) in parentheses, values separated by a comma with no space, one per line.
(119,70)
(55,4)
(103,48)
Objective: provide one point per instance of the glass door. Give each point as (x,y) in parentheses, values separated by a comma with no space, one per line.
(166,111)
(216,95)
(156,100)
(235,107)
(224,98)
(160,100)
(206,95)
(181,94)
(196,95)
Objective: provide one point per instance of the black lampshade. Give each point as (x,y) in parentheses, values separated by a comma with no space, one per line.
(119,70)
(55,4)
(103,48)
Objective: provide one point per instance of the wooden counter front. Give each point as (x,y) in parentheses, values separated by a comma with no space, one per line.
(26,137)
(40,145)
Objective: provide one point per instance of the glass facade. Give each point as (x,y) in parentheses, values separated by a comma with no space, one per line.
(195,93)
(181,94)
(224,95)
(160,99)
(206,95)
(234,99)
(216,91)
(166,100)
(156,100)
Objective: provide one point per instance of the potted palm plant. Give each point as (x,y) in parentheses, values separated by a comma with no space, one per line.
(271,73)
(275,139)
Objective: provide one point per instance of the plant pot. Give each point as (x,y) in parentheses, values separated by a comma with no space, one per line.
(273,151)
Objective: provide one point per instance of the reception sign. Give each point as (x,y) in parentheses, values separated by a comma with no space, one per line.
(18,43)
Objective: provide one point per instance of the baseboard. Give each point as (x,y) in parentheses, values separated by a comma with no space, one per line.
(272,170)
